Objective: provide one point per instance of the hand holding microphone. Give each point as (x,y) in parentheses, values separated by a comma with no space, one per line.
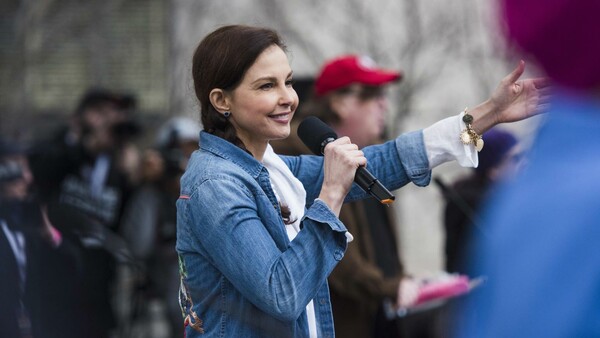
(342,158)
(316,135)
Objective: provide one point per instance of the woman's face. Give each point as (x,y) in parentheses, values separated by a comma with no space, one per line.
(264,103)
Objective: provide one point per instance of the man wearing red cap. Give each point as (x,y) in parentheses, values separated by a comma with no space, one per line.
(350,95)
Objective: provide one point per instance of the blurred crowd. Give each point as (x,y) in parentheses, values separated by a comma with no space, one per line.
(89,225)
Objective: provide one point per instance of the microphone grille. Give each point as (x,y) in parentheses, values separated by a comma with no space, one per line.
(313,132)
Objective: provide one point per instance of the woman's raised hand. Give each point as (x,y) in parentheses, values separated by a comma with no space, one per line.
(513,100)
(519,99)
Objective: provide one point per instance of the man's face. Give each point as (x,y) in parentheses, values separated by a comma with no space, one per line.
(99,124)
(363,112)
(104,116)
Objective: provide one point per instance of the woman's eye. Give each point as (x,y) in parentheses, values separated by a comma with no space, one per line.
(289,83)
(267,86)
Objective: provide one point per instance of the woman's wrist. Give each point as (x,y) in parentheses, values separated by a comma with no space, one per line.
(333,200)
(485,116)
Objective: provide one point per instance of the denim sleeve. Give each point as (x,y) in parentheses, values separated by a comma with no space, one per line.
(234,229)
(394,163)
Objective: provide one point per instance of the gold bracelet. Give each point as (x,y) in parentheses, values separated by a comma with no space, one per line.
(469,135)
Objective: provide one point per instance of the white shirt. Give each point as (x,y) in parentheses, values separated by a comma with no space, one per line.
(290,191)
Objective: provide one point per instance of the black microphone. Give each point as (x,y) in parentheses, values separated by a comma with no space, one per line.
(316,135)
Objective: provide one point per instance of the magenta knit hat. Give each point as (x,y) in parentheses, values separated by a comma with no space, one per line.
(562,35)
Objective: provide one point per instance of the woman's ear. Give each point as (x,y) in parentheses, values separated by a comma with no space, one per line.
(219,100)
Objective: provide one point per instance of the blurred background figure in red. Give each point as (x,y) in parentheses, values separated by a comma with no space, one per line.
(41,272)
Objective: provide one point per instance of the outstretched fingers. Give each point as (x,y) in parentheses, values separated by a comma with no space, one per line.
(516,73)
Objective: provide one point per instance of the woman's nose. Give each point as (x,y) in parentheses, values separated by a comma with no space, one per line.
(287,96)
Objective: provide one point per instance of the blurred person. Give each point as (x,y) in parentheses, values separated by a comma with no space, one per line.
(40,272)
(149,221)
(258,234)
(350,94)
(541,257)
(499,159)
(92,165)
(85,175)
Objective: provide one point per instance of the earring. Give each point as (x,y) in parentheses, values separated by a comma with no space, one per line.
(227,114)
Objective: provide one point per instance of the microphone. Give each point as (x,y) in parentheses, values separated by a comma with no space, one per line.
(316,135)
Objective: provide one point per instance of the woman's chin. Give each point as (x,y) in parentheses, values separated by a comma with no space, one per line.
(279,138)
(283,134)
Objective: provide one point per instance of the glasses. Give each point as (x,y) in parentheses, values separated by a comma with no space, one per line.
(364,92)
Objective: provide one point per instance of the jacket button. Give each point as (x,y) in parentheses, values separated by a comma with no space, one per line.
(338,255)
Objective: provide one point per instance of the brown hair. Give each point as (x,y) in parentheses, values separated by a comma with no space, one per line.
(221,61)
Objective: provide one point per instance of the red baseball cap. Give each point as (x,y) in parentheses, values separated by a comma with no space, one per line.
(346,70)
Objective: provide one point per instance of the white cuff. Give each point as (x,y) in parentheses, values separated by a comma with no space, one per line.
(443,144)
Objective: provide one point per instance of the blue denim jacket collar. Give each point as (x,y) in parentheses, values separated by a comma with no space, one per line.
(231,152)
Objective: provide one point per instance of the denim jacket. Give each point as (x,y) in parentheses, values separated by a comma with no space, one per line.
(240,275)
